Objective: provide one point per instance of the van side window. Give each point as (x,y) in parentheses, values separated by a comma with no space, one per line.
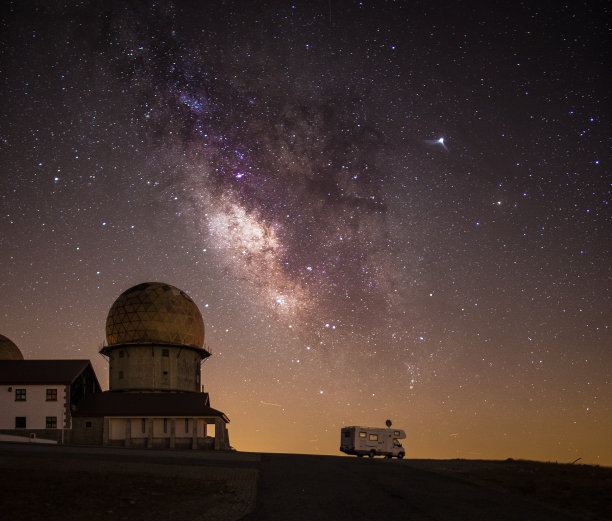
(373,437)
(362,434)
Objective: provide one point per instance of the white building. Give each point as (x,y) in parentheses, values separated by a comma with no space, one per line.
(37,397)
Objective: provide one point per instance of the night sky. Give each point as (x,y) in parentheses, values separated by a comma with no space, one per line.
(382,209)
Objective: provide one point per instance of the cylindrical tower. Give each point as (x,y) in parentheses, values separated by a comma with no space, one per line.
(155,339)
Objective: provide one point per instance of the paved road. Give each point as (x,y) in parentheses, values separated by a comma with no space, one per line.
(328,488)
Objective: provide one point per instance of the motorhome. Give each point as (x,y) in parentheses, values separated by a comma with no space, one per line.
(371,441)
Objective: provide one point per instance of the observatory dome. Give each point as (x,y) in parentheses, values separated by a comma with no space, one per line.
(154,313)
(8,350)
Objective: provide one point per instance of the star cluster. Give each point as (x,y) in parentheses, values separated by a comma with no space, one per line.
(383,210)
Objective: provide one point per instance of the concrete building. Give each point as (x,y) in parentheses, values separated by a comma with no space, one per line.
(155,348)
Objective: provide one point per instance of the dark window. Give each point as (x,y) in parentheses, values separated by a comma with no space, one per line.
(143,425)
(52,395)
(347,434)
(373,437)
(51,422)
(362,434)
(186,424)
(165,424)
(88,425)
(120,375)
(20,422)
(20,395)
(165,352)
(121,354)
(165,372)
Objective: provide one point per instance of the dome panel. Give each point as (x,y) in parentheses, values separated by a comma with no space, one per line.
(154,312)
(9,350)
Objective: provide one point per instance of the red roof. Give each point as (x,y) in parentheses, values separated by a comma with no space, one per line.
(113,403)
(22,372)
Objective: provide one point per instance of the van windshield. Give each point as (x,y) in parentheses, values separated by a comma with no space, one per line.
(396,442)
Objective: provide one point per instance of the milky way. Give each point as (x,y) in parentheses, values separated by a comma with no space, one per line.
(383,210)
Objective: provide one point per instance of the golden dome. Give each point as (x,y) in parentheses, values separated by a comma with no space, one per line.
(154,313)
(8,350)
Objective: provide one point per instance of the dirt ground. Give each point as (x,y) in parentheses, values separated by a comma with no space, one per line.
(56,485)
(583,490)
(92,484)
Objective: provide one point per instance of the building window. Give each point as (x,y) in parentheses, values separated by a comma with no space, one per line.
(20,422)
(121,354)
(143,425)
(165,425)
(120,375)
(373,437)
(165,352)
(51,422)
(165,372)
(20,395)
(88,425)
(186,424)
(52,395)
(362,434)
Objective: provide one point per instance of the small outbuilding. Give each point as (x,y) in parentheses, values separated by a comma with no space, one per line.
(153,420)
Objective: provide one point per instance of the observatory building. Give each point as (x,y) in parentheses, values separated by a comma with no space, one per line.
(155,339)
(155,348)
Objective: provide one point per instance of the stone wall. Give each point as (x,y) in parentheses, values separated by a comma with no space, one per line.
(87,431)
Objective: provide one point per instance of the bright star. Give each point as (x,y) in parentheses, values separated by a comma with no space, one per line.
(438,142)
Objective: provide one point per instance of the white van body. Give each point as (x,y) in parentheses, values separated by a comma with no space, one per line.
(372,441)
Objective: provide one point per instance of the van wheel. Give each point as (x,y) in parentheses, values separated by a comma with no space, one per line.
(400,455)
(372,453)
(359,455)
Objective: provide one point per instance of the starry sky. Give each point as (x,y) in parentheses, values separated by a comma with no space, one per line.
(384,210)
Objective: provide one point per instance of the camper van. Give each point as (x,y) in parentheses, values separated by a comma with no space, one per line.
(372,442)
